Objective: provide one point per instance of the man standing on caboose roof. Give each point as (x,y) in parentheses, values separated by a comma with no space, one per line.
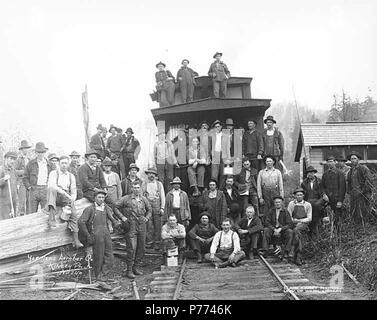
(220,75)
(165,85)
(186,77)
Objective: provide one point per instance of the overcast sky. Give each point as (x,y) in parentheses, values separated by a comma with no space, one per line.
(50,49)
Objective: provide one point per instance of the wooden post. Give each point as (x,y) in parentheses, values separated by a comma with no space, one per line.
(85,110)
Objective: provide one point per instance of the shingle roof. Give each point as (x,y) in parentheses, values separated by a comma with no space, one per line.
(336,134)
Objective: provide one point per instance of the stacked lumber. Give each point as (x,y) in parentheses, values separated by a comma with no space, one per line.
(31,233)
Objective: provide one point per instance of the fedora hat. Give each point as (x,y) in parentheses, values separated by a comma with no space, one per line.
(269,156)
(185,60)
(133,166)
(216,122)
(203,122)
(299,189)
(269,118)
(330,158)
(40,147)
(278,197)
(354,153)
(107,162)
(311,169)
(341,158)
(52,156)
(10,154)
(176,180)
(130,130)
(252,120)
(100,191)
(229,122)
(216,54)
(100,127)
(90,152)
(161,63)
(112,126)
(151,170)
(24,145)
(74,154)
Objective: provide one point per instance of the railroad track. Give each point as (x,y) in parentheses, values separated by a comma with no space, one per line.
(256,279)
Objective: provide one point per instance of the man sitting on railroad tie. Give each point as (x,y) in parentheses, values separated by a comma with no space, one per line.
(165,85)
(334,188)
(360,186)
(220,74)
(225,249)
(173,234)
(62,192)
(249,229)
(94,231)
(301,213)
(278,227)
(186,78)
(201,235)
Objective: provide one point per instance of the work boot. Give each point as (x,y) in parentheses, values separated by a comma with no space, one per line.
(224,264)
(291,254)
(180,257)
(129,274)
(255,253)
(298,259)
(200,258)
(76,242)
(137,272)
(51,218)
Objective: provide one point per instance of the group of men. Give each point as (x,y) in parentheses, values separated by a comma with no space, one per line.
(185,81)
(157,212)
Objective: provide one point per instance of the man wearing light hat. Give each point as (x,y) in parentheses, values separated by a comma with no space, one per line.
(301,213)
(186,78)
(36,177)
(165,85)
(97,143)
(360,186)
(273,141)
(153,190)
(8,178)
(220,74)
(20,166)
(74,168)
(130,149)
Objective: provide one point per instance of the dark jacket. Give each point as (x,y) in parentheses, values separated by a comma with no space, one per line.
(31,173)
(114,143)
(131,145)
(252,143)
(203,232)
(285,219)
(162,79)
(240,180)
(316,192)
(278,143)
(334,185)
(235,196)
(96,143)
(254,227)
(126,184)
(20,168)
(221,208)
(220,73)
(187,75)
(90,179)
(363,179)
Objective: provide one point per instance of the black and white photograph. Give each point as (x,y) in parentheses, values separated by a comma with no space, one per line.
(197,152)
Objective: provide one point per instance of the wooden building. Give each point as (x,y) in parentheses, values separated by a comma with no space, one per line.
(317,141)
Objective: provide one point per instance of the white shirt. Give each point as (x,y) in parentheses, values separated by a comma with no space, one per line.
(218,142)
(226,241)
(66,181)
(42,172)
(229,192)
(270,132)
(176,199)
(277,217)
(101,207)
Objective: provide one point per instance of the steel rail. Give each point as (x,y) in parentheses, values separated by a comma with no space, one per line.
(282,283)
(179,281)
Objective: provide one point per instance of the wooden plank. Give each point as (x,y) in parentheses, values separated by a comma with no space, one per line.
(31,233)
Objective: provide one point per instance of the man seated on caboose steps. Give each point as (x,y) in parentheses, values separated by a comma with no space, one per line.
(225,249)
